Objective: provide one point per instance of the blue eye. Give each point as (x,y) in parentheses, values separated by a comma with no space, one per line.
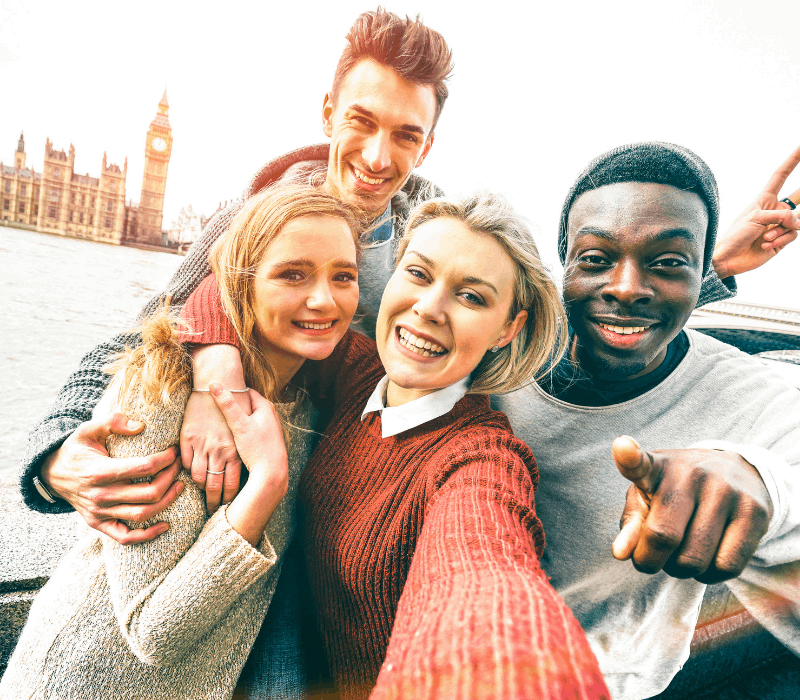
(472,298)
(416,272)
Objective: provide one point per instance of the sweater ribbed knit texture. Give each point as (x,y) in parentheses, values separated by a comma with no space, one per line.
(423,552)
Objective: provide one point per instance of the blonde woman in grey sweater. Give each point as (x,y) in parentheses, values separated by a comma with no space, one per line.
(176,617)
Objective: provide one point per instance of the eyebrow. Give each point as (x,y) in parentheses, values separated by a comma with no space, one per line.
(305,262)
(416,128)
(613,236)
(468,280)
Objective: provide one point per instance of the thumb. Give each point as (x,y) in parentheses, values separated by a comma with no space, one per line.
(257,401)
(234,416)
(637,465)
(117,424)
(633,517)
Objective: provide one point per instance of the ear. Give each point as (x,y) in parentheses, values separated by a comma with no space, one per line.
(425,149)
(512,329)
(327,113)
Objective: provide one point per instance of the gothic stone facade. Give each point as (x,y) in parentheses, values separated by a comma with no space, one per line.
(58,200)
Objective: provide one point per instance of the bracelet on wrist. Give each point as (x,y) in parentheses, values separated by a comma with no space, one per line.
(233,391)
(42,489)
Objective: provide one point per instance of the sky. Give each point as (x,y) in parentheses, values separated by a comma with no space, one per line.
(537,93)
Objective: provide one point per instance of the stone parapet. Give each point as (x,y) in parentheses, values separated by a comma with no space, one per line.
(31,545)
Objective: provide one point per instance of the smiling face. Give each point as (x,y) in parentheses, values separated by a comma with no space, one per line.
(633,274)
(380,130)
(444,307)
(306,291)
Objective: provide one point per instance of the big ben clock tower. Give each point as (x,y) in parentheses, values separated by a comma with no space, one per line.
(157,150)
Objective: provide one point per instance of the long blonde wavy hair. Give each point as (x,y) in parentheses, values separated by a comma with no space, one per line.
(236,256)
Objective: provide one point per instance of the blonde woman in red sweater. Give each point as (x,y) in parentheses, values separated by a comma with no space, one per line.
(421,534)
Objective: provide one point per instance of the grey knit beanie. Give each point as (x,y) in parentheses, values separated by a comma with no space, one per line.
(649,161)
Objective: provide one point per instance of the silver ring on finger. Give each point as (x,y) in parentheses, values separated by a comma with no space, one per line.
(208,471)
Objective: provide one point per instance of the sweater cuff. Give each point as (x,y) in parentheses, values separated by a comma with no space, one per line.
(771,469)
(716,289)
(46,440)
(204,321)
(263,557)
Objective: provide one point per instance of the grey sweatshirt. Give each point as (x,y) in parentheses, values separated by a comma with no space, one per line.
(639,625)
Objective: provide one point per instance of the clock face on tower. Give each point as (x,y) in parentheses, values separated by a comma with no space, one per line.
(159,144)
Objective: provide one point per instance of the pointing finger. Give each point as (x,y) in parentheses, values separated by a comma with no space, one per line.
(637,465)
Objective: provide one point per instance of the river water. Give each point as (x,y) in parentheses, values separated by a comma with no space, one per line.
(59,298)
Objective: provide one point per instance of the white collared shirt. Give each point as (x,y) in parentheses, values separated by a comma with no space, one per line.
(398,419)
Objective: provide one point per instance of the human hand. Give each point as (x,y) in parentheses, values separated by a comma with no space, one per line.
(207,447)
(762,230)
(258,436)
(100,488)
(259,439)
(693,513)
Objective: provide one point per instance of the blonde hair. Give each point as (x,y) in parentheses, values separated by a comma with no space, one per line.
(156,373)
(236,256)
(543,338)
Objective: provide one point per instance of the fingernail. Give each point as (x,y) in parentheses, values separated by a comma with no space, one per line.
(770,235)
(215,388)
(134,424)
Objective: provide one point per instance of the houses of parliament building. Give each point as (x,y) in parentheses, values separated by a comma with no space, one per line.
(58,200)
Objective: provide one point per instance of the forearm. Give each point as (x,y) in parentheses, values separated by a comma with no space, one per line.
(73,406)
(478,617)
(254,505)
(169,593)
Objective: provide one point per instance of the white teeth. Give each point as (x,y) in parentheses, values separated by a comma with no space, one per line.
(314,326)
(423,347)
(624,330)
(369,180)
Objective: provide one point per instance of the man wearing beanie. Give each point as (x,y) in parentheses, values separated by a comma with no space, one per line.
(714,491)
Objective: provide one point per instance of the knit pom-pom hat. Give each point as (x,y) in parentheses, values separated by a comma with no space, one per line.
(649,161)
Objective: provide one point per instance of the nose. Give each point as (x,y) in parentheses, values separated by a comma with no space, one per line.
(320,297)
(430,306)
(627,284)
(376,152)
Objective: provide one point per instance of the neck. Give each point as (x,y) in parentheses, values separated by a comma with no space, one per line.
(398,395)
(284,369)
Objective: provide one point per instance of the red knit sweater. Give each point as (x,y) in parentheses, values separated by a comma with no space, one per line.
(423,550)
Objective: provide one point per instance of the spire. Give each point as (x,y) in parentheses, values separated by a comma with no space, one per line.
(21,142)
(162,118)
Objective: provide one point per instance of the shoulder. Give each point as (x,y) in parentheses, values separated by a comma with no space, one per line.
(710,358)
(417,189)
(300,161)
(354,364)
(479,435)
